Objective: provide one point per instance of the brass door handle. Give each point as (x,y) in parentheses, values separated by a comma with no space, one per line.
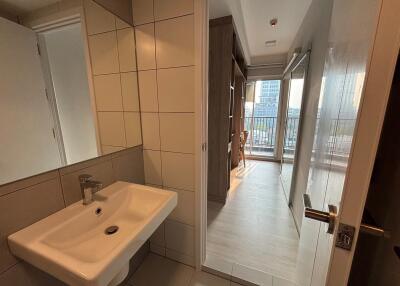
(328,217)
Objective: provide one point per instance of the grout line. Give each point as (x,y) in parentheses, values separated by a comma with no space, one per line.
(28,178)
(62,188)
(163,20)
(9,268)
(162,68)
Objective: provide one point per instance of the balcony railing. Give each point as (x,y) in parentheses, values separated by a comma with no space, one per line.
(263,132)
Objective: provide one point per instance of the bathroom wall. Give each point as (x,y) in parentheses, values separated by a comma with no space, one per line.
(113,66)
(165,61)
(27,201)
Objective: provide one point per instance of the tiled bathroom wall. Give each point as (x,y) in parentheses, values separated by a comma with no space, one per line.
(113,62)
(29,200)
(165,62)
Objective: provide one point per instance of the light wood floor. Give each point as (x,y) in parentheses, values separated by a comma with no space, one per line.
(255,227)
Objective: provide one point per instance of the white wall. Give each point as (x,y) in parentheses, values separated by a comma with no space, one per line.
(65,53)
(313,33)
(27,143)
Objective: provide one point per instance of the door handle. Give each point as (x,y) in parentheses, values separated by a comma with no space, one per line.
(328,217)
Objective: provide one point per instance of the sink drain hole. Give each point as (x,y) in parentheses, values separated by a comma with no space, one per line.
(111,230)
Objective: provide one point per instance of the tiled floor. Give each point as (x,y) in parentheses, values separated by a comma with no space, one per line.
(254,230)
(160,271)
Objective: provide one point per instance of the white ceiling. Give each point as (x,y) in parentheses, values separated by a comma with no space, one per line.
(20,7)
(252,20)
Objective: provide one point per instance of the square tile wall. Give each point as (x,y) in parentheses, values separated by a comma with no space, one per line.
(165,57)
(112,51)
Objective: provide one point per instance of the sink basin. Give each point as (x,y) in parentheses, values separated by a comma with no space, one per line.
(92,245)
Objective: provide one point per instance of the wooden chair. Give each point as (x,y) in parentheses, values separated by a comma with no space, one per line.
(243,139)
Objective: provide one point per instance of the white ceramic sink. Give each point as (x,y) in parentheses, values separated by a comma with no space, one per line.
(72,244)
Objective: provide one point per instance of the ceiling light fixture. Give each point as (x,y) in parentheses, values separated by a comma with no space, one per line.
(273,22)
(270,43)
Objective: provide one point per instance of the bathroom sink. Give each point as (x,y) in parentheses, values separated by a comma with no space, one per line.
(92,244)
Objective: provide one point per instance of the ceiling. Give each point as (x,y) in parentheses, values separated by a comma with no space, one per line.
(252,20)
(20,7)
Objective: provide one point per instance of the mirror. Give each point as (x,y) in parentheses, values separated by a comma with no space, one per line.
(120,8)
(69,88)
(294,105)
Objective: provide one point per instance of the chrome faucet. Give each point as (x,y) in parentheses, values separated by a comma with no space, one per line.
(88,188)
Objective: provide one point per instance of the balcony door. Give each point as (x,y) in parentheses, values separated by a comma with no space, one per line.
(261,118)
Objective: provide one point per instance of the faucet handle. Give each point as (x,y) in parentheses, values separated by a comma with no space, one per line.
(84,178)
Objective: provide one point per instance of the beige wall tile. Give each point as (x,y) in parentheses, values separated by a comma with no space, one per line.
(152,167)
(184,211)
(102,172)
(107,90)
(130,91)
(120,24)
(132,129)
(126,50)
(111,128)
(142,11)
(160,250)
(151,131)
(106,149)
(24,207)
(104,53)
(175,42)
(178,170)
(24,183)
(15,276)
(179,237)
(158,237)
(145,47)
(98,19)
(148,91)
(129,166)
(164,9)
(180,257)
(39,278)
(177,132)
(176,89)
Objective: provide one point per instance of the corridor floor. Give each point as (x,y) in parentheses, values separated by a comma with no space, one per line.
(255,227)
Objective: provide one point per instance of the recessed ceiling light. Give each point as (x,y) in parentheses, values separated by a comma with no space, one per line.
(270,43)
(273,22)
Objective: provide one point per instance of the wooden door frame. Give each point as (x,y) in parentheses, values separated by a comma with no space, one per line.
(382,61)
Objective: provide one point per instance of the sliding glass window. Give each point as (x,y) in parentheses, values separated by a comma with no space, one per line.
(261,117)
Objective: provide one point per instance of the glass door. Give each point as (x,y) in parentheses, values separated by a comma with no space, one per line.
(261,118)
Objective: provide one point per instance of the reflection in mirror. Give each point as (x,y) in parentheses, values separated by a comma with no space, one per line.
(120,8)
(297,78)
(68,86)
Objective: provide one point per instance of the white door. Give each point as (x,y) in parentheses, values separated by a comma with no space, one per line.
(363,47)
(27,143)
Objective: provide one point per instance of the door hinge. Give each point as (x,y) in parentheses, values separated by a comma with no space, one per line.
(46,93)
(345,236)
(204,147)
(38,49)
(54,133)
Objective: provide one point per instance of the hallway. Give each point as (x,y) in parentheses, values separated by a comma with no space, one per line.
(255,227)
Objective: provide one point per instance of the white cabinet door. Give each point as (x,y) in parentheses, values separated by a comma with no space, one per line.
(363,48)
